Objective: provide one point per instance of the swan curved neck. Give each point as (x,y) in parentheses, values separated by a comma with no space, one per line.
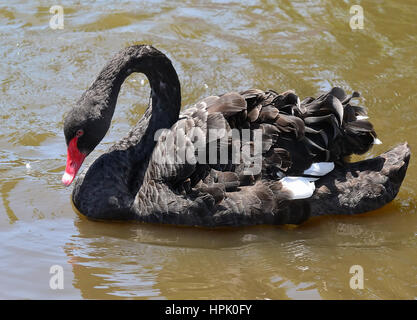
(127,160)
(163,79)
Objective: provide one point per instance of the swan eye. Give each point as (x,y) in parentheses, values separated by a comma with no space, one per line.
(79,133)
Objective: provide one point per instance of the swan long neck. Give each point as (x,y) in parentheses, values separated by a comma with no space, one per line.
(115,177)
(163,79)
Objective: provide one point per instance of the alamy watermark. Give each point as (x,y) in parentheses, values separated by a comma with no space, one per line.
(213,146)
(356,281)
(57,20)
(57,279)
(356,21)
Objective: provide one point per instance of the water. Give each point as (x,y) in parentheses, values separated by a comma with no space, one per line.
(215,47)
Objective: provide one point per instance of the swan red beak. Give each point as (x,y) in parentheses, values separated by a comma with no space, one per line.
(75,159)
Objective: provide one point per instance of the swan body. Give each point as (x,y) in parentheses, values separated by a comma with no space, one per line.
(161,171)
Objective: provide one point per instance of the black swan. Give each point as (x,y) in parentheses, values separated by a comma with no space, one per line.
(302,173)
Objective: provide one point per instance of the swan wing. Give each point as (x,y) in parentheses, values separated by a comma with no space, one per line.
(298,138)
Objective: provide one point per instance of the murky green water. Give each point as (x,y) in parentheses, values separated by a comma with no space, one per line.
(216,47)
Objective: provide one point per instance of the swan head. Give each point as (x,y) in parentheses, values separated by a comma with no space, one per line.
(84,127)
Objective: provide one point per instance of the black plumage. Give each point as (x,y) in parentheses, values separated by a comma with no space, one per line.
(135,180)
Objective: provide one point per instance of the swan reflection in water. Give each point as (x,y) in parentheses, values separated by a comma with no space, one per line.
(137,260)
(119,260)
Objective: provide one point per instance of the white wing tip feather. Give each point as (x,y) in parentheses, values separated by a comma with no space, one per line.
(298,187)
(362,117)
(377,141)
(320,168)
